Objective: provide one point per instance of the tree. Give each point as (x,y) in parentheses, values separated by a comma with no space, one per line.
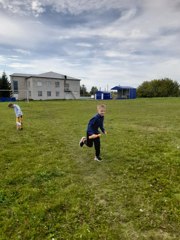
(83,91)
(0,86)
(93,90)
(5,85)
(159,88)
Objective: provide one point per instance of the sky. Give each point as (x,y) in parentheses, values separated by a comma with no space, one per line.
(102,42)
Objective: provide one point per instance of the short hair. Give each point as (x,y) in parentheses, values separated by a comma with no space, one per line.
(10,105)
(101,106)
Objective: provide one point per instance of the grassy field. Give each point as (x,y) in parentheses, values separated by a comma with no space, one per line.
(52,189)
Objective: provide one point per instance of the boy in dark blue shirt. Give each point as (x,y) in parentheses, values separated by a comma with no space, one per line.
(93,135)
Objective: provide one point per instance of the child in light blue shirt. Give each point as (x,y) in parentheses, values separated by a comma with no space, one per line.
(19,115)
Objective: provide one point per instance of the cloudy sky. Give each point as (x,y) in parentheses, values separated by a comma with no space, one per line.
(103,42)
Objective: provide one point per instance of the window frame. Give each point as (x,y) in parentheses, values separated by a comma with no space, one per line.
(48,93)
(57,84)
(39,84)
(15,88)
(40,93)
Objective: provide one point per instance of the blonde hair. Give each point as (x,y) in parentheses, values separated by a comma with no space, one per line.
(100,106)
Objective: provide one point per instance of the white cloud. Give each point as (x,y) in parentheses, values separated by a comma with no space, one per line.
(37,8)
(19,66)
(141,43)
(15,6)
(2,60)
(167,68)
(83,44)
(22,51)
(117,54)
(129,14)
(74,7)
(78,6)
(15,32)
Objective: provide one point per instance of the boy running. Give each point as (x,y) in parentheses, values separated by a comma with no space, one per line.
(19,114)
(93,135)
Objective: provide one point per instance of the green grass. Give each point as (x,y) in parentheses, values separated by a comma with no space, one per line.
(52,189)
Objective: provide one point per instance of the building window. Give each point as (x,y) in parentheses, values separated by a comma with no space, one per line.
(39,84)
(66,86)
(29,93)
(39,93)
(49,93)
(15,86)
(48,84)
(57,94)
(57,84)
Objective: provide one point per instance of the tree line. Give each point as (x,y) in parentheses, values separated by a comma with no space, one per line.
(85,93)
(155,88)
(159,88)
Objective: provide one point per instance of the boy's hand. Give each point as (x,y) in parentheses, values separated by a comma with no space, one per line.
(94,136)
(105,132)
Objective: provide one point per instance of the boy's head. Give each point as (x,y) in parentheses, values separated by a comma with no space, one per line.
(101,108)
(10,105)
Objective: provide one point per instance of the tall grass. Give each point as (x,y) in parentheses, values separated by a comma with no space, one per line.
(52,189)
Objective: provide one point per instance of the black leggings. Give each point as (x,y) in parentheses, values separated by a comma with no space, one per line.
(96,141)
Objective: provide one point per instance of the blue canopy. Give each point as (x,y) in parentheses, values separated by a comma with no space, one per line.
(125,92)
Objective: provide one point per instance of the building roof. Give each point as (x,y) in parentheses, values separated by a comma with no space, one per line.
(53,75)
(121,87)
(21,75)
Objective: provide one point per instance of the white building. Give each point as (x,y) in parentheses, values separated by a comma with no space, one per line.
(44,86)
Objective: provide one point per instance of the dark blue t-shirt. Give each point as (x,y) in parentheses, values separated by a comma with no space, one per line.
(95,123)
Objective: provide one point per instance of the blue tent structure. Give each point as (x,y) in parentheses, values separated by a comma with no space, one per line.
(125,92)
(100,95)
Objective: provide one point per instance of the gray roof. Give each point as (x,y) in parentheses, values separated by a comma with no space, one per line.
(21,75)
(53,75)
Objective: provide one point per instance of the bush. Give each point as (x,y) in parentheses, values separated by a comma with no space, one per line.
(159,88)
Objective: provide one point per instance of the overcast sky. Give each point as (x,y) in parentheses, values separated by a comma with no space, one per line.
(103,42)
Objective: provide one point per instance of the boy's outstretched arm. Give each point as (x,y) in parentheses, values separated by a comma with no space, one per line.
(93,136)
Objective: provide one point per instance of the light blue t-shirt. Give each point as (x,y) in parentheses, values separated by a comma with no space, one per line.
(17,110)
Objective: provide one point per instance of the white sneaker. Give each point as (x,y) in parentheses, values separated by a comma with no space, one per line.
(99,159)
(81,143)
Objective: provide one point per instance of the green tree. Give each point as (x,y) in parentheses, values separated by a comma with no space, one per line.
(83,91)
(93,90)
(0,85)
(159,88)
(5,85)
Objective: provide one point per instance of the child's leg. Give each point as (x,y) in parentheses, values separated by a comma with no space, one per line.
(88,142)
(81,143)
(21,121)
(97,146)
(18,123)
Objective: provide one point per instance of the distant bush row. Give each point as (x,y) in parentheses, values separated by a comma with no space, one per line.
(159,88)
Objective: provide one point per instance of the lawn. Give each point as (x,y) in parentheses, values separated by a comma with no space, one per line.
(52,189)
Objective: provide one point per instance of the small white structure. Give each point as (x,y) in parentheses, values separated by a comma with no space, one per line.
(45,86)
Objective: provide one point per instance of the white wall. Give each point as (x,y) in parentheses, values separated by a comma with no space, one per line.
(32,85)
